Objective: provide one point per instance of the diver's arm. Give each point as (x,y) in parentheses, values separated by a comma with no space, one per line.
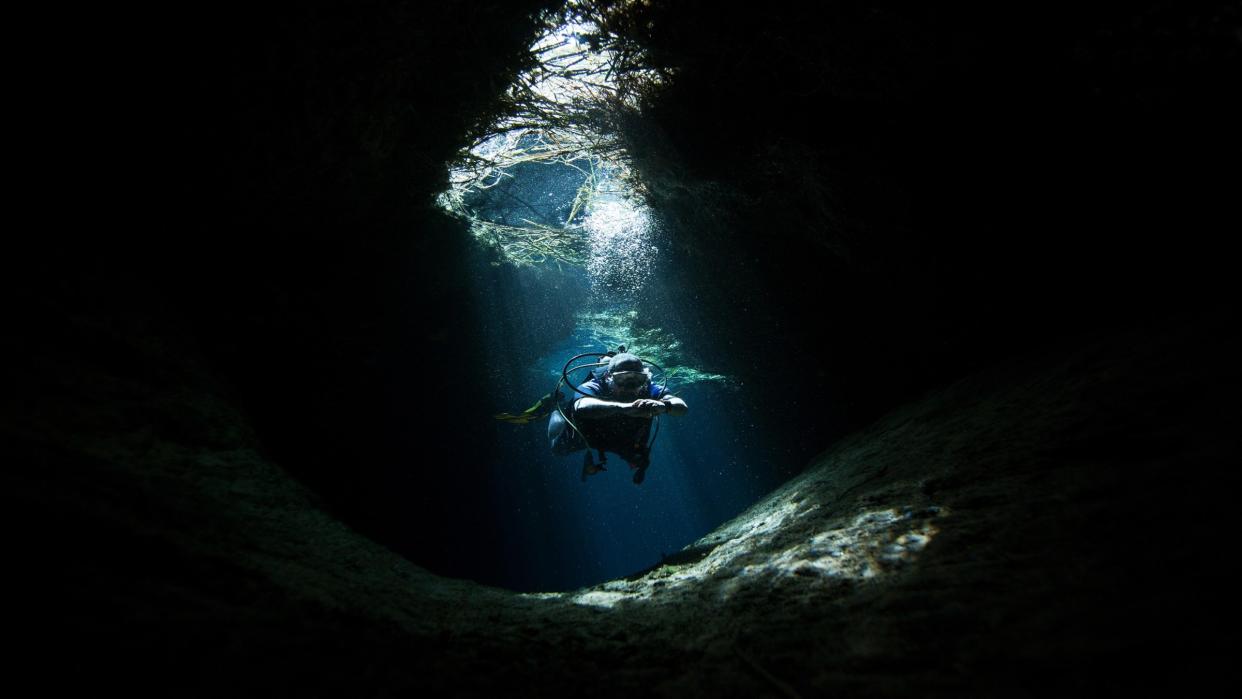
(596,409)
(675,405)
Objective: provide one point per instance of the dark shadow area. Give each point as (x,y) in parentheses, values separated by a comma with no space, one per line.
(925,191)
(238,264)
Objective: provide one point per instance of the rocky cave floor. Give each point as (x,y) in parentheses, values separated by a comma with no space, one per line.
(1037,529)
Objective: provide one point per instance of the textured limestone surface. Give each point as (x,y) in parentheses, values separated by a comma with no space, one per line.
(235,280)
(1031,529)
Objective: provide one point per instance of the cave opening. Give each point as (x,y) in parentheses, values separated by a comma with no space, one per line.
(969,271)
(555,208)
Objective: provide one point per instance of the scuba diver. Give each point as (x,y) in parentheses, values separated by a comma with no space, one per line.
(613,412)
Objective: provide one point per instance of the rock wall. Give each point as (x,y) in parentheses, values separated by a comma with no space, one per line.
(1044,527)
(213,334)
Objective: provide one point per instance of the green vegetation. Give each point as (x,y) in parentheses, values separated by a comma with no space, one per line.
(653,344)
(563,112)
(573,112)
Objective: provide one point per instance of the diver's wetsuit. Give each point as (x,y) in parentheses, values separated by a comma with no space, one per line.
(624,436)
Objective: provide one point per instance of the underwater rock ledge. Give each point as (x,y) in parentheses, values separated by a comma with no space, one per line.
(1007,535)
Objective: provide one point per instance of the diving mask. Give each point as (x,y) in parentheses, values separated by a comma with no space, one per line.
(630,381)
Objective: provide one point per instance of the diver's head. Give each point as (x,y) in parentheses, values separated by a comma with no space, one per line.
(626,376)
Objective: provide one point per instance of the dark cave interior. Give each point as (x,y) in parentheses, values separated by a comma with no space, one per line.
(922,194)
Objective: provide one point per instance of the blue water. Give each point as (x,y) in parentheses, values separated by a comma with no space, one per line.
(562,533)
(557,532)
